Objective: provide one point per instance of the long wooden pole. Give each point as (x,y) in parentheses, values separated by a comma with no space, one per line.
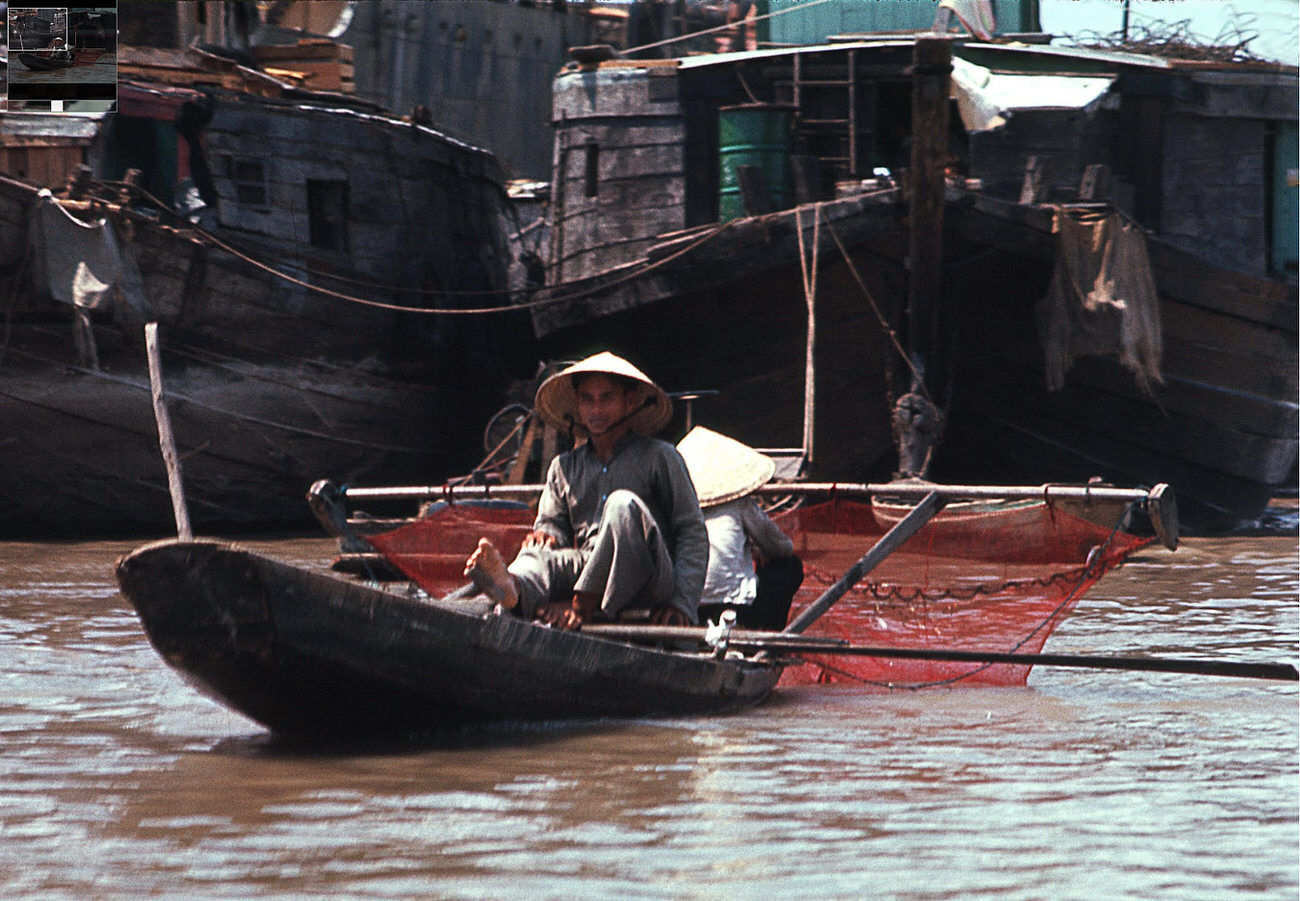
(904,529)
(900,490)
(783,643)
(165,439)
(931,65)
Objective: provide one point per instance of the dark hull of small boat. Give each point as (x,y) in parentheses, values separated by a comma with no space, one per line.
(38,63)
(310,654)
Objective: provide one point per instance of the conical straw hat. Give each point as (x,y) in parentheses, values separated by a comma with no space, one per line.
(557,399)
(722,468)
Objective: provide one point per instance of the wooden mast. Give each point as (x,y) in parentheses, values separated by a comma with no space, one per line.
(918,423)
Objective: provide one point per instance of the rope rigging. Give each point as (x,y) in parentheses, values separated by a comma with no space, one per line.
(642,269)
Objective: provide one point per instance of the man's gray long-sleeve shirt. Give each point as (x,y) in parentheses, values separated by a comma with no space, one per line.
(578,483)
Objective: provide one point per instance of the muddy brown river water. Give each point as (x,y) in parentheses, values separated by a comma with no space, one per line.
(119,781)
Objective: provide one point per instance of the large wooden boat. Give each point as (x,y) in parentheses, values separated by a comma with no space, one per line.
(312,654)
(294,310)
(662,251)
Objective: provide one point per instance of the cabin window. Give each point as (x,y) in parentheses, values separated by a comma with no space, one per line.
(327,210)
(249,178)
(591,175)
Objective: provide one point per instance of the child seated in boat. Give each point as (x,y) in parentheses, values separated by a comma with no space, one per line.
(752,566)
(618,525)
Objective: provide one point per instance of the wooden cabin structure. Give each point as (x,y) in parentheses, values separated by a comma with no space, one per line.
(49,148)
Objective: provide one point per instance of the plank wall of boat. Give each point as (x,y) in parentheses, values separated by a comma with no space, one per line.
(277,383)
(1225,431)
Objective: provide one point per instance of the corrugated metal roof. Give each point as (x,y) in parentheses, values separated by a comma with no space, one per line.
(1065,55)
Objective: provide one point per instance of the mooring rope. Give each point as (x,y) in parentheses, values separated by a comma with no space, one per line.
(647,267)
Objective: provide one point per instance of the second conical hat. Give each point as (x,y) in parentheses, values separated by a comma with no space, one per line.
(723,468)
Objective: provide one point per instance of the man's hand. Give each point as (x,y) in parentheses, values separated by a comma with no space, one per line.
(572,615)
(561,616)
(668,616)
(545,539)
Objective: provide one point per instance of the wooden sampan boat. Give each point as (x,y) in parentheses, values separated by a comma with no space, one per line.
(314,654)
(38,63)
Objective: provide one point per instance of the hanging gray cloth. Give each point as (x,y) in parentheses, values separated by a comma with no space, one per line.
(83,263)
(1102,299)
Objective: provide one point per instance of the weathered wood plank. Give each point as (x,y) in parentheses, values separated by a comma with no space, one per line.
(1237,410)
(609,93)
(1253,344)
(640,162)
(1186,277)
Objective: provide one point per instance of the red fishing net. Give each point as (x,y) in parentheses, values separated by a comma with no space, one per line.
(432,551)
(978,577)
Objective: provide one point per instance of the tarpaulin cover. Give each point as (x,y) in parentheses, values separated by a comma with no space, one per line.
(977,577)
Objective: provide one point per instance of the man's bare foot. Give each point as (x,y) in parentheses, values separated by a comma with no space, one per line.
(487,570)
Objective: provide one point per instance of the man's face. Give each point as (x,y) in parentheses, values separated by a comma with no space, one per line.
(602,403)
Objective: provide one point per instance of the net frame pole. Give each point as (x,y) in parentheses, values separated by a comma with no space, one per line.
(811,645)
(904,529)
(899,490)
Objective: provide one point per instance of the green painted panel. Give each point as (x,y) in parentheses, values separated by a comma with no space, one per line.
(145,144)
(1286,208)
(814,24)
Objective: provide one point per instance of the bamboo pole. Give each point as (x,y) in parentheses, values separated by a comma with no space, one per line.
(906,491)
(165,439)
(891,541)
(784,643)
(1159,501)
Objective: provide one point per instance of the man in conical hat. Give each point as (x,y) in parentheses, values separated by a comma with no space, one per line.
(59,50)
(618,525)
(752,567)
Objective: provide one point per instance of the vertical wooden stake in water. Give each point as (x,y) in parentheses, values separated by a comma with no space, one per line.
(808,270)
(165,438)
(931,68)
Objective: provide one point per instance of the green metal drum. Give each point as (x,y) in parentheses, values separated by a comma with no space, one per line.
(753,135)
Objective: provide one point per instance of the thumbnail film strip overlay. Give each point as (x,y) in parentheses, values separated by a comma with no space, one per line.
(61,58)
